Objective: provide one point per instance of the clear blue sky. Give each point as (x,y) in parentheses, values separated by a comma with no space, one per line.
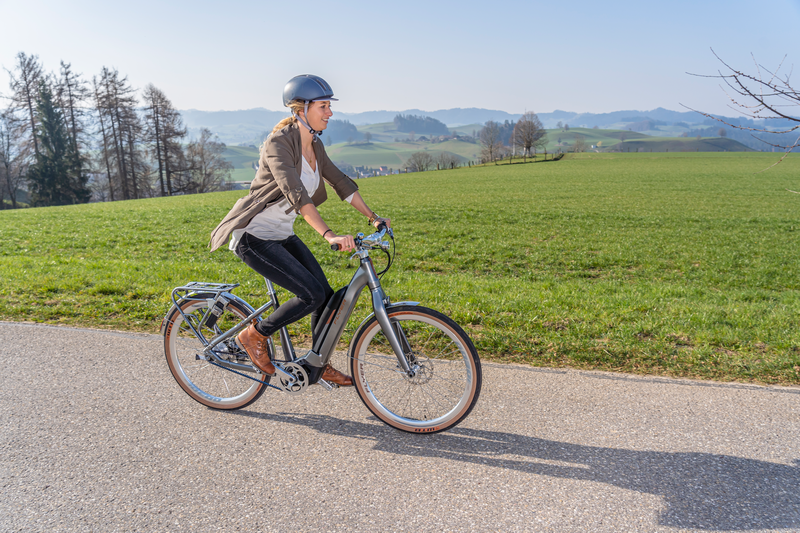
(578,55)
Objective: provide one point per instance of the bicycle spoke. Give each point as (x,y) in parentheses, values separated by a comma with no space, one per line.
(444,386)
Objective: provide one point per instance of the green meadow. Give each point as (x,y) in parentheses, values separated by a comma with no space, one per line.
(394,155)
(679,264)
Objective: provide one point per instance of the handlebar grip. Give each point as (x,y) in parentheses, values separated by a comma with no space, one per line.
(382,226)
(335,247)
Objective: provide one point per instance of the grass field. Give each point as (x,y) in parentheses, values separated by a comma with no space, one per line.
(394,155)
(634,141)
(242,159)
(679,264)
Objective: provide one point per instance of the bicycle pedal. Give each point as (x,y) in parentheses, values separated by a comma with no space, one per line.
(328,386)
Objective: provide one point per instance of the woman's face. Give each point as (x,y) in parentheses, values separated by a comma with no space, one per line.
(318,114)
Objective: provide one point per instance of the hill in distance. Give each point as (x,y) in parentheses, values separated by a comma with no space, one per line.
(395,154)
(251,125)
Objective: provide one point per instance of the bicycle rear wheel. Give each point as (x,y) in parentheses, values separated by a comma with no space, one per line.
(448,371)
(210,385)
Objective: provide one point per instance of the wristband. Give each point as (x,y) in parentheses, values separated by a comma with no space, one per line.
(326,232)
(373,218)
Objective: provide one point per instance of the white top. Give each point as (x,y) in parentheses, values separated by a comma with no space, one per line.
(273,223)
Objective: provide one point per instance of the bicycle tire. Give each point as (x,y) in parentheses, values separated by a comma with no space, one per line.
(448,382)
(210,385)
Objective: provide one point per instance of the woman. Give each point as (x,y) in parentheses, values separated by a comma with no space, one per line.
(292,165)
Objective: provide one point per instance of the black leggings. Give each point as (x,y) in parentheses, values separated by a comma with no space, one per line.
(290,264)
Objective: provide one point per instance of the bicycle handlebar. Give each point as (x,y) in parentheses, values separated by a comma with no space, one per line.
(382,229)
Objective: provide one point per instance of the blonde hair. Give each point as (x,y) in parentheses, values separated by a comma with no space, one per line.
(296,106)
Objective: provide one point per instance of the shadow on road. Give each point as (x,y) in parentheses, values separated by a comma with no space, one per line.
(700,490)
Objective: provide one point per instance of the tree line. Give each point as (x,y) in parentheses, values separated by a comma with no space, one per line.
(413,123)
(67,140)
(527,134)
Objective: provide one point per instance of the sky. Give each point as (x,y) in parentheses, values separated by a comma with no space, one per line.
(514,56)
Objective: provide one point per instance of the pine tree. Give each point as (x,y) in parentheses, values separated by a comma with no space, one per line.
(71,93)
(54,178)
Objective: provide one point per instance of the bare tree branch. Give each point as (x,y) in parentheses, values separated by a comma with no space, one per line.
(765,95)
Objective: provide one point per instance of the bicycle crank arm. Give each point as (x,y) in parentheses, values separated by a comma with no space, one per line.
(284,375)
(292,378)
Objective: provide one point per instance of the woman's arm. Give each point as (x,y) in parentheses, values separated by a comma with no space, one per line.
(312,216)
(361,206)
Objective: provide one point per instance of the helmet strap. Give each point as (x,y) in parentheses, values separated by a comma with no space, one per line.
(311,130)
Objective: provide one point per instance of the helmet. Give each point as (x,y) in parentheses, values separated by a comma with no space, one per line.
(307,88)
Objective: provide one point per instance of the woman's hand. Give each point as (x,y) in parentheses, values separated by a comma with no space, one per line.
(380,220)
(345,242)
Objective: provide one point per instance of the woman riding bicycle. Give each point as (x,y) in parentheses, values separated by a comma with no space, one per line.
(288,181)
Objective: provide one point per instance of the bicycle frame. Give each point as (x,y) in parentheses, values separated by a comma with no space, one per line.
(365,276)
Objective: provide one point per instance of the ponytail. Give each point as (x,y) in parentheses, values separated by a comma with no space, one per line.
(296,106)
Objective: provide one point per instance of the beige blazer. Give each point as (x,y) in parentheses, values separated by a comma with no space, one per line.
(278,176)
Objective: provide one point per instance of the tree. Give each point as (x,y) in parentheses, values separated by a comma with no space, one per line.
(722,132)
(25,85)
(560,125)
(447,160)
(122,132)
(71,93)
(163,131)
(765,96)
(419,162)
(54,179)
(13,163)
(367,136)
(490,141)
(208,169)
(580,143)
(529,133)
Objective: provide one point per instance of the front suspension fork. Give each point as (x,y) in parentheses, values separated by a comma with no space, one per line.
(395,336)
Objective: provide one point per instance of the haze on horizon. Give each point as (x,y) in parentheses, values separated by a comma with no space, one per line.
(517,56)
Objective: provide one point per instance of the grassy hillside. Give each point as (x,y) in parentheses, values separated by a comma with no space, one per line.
(678,264)
(383,151)
(242,158)
(386,132)
(632,141)
(394,155)
(672,144)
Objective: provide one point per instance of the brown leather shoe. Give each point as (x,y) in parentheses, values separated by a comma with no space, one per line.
(334,376)
(255,344)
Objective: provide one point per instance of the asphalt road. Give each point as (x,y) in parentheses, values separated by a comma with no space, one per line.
(95,435)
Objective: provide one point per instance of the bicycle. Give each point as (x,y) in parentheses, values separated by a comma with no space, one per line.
(413,367)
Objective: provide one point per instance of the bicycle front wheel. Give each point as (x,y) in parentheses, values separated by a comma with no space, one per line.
(447,380)
(210,385)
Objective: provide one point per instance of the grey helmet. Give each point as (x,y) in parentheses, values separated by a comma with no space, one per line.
(307,88)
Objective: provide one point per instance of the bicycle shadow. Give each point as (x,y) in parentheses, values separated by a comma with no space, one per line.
(700,490)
